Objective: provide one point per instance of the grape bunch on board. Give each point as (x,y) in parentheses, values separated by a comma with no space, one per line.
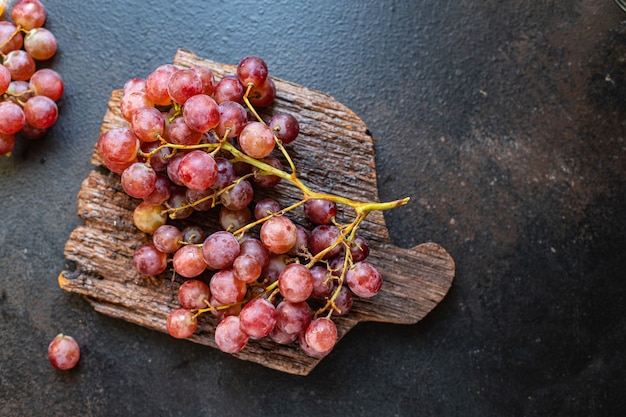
(28,95)
(194,144)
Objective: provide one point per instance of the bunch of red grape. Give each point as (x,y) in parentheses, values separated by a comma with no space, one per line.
(194,144)
(28,95)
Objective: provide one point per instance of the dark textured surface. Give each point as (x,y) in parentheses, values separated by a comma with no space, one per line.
(504,121)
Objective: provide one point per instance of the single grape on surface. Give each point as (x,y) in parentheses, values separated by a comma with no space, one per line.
(63,352)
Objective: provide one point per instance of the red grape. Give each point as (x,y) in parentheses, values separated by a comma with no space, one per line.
(265,207)
(148,217)
(63,352)
(149,260)
(232,116)
(256,140)
(295,283)
(167,238)
(293,318)
(229,336)
(238,197)
(197,170)
(201,113)
(33,133)
(322,282)
(279,234)
(193,234)
(225,288)
(161,193)
(257,318)
(228,89)
(11,118)
(134,84)
(277,263)
(359,249)
(322,237)
(19,92)
(282,337)
(247,268)
(179,204)
(7,143)
(47,82)
(41,112)
(364,279)
(194,294)
(160,159)
(221,310)
(40,43)
(220,250)
(29,14)
(252,70)
(118,145)
(343,302)
(188,261)
(302,242)
(321,335)
(320,211)
(5,79)
(178,132)
(10,40)
(263,95)
(156,84)
(285,127)
(132,102)
(225,173)
(232,220)
(264,178)
(20,64)
(183,84)
(147,123)
(207,78)
(181,323)
(172,168)
(254,247)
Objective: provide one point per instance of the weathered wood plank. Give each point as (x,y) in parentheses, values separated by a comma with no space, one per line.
(334,154)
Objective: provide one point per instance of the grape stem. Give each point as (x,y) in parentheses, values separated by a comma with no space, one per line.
(347,231)
(17,30)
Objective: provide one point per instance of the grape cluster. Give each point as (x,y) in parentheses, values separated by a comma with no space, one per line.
(196,144)
(28,95)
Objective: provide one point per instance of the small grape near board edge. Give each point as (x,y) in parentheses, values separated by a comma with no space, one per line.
(196,145)
(63,352)
(28,95)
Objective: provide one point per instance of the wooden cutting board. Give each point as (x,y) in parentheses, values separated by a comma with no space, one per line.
(334,154)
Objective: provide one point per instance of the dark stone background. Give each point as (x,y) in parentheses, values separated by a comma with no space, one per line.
(503,120)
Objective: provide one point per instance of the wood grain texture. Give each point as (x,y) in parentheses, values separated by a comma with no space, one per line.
(334,153)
